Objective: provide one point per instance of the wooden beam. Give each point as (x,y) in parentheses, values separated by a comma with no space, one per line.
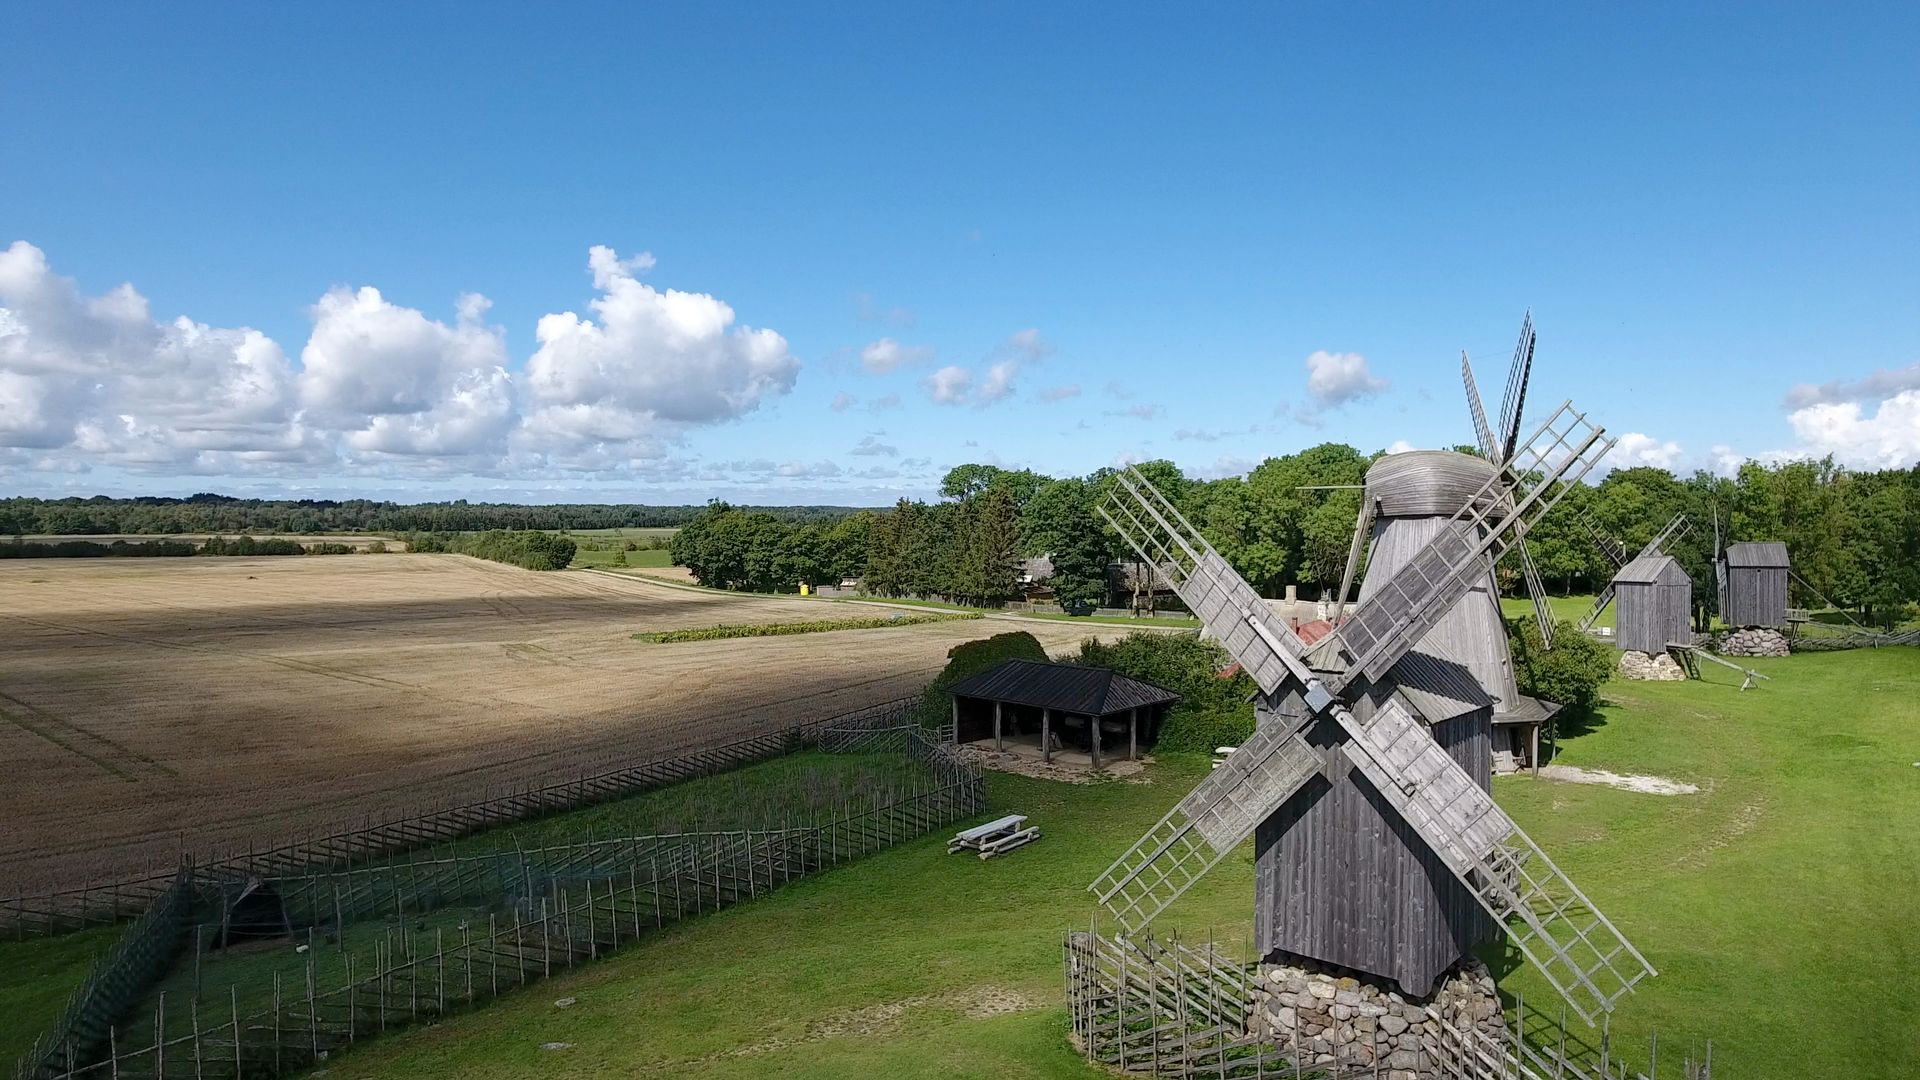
(1533,755)
(1093,723)
(1133,733)
(1046,736)
(998,742)
(956,718)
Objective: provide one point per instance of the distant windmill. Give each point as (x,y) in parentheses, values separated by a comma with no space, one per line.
(1381,849)
(1617,555)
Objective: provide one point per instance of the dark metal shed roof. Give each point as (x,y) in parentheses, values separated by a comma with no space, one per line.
(1765,553)
(1651,570)
(1069,688)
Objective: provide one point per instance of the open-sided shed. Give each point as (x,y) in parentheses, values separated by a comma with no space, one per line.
(1756,585)
(1653,598)
(1088,706)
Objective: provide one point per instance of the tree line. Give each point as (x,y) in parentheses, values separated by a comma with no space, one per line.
(1854,536)
(135,549)
(208,513)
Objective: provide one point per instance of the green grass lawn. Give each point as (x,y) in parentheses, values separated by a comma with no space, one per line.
(37,976)
(583,556)
(1570,608)
(1777,904)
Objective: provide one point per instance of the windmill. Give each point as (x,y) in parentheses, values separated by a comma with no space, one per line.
(1337,731)
(1675,528)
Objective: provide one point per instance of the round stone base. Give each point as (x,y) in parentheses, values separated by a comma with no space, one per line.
(1340,1021)
(1650,667)
(1753,641)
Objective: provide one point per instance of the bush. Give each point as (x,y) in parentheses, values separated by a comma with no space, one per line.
(970,658)
(1211,712)
(716,633)
(531,549)
(1571,673)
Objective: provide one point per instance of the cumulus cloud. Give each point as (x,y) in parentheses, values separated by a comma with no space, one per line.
(380,388)
(843,401)
(1884,383)
(1025,345)
(1636,448)
(1886,438)
(653,365)
(1338,378)
(885,355)
(1060,393)
(1400,446)
(397,382)
(101,375)
(871,446)
(949,385)
(998,383)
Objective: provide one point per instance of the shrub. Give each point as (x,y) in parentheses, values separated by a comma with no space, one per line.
(970,658)
(1211,712)
(1570,673)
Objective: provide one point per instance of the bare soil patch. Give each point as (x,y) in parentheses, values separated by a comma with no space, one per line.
(251,700)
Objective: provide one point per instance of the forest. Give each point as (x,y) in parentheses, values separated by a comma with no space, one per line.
(1854,536)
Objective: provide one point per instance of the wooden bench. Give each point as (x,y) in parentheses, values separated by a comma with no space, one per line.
(995,837)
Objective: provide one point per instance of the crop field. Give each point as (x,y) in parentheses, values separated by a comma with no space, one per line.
(252,700)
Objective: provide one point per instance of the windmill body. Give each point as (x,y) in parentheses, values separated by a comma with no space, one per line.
(1340,878)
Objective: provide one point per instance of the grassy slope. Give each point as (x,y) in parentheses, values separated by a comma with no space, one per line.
(643,557)
(1570,608)
(1775,893)
(37,977)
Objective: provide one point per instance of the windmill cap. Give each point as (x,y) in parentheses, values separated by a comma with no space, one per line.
(1426,483)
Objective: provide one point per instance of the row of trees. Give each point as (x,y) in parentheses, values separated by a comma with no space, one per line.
(222,514)
(1854,536)
(239,545)
(532,550)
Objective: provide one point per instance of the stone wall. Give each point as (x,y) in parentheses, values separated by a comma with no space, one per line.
(1337,1020)
(1650,668)
(1753,641)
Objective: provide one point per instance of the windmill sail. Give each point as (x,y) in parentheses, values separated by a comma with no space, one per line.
(1515,398)
(1499,453)
(1545,914)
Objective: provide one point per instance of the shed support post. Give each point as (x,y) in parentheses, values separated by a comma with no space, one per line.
(1133,733)
(956,719)
(1046,736)
(999,743)
(1093,730)
(1533,754)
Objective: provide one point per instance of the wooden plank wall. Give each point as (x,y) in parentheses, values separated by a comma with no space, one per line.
(1651,614)
(1756,596)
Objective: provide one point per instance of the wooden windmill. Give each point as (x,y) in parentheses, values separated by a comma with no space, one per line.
(1617,555)
(1339,727)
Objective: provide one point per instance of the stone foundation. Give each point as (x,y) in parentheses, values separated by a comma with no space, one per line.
(1753,641)
(1336,1020)
(1650,667)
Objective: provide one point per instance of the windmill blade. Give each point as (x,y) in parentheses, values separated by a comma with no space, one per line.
(1515,398)
(1609,547)
(1207,825)
(1361,527)
(1548,918)
(1674,530)
(1388,623)
(1266,647)
(1488,448)
(1599,608)
(1537,592)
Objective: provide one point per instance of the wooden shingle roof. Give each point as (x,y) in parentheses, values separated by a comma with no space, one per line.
(1068,688)
(1650,570)
(1763,553)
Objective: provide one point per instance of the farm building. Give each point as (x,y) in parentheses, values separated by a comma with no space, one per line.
(1756,585)
(1652,599)
(1045,707)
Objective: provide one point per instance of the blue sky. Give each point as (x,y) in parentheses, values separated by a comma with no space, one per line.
(1100,234)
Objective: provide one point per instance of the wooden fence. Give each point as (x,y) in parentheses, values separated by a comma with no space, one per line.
(1166,1009)
(550,908)
(93,905)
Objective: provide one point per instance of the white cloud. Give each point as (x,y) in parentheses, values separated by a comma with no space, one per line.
(1884,383)
(1400,446)
(1337,378)
(397,382)
(100,375)
(843,401)
(1026,345)
(1635,448)
(885,355)
(871,446)
(950,384)
(1060,393)
(998,383)
(655,364)
(1888,438)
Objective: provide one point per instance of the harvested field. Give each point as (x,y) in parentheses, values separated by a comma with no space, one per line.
(244,700)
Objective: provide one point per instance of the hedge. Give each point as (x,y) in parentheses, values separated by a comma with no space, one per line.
(716,633)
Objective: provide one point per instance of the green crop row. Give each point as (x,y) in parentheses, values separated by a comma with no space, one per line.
(716,633)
